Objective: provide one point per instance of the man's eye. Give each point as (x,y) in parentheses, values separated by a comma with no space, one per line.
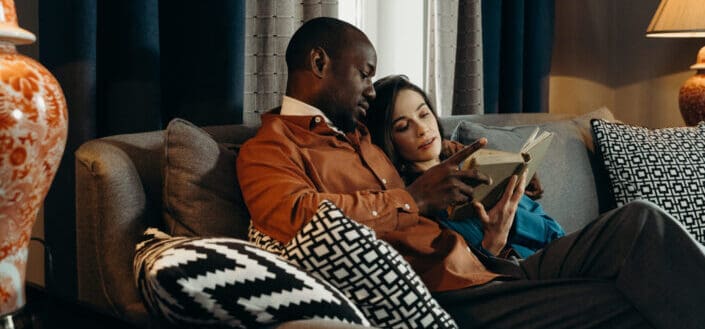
(364,75)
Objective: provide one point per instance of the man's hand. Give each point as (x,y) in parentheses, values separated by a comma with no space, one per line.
(497,222)
(445,185)
(449,147)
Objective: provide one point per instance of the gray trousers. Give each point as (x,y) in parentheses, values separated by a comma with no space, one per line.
(634,267)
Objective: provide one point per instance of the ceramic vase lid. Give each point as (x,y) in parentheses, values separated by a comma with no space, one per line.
(9,29)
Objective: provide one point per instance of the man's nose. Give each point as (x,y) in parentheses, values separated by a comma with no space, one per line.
(370,92)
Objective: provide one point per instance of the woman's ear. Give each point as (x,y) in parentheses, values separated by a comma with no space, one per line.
(318,60)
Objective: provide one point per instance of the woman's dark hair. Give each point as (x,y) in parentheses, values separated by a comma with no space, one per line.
(379,116)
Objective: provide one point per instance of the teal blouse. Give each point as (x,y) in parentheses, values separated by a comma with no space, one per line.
(532,228)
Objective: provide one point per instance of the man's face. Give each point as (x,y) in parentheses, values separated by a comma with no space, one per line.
(348,87)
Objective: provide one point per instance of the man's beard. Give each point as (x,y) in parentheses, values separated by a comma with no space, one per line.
(344,120)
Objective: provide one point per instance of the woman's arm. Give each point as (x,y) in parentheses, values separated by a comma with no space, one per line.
(497,222)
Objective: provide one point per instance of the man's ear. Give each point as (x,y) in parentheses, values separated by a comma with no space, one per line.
(318,60)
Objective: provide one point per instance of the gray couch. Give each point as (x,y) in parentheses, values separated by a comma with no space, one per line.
(119,194)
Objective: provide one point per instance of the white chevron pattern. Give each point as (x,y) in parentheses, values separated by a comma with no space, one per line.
(217,282)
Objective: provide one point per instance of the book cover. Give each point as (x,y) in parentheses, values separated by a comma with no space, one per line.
(500,166)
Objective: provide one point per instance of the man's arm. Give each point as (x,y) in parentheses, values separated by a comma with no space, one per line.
(282,197)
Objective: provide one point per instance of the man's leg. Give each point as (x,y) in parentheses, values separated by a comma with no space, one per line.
(557,303)
(651,260)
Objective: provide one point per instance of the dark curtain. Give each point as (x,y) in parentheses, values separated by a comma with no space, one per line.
(131,66)
(517,40)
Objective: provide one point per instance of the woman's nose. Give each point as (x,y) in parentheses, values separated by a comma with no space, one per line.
(421,129)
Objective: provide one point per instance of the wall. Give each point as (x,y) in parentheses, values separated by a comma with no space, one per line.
(601,56)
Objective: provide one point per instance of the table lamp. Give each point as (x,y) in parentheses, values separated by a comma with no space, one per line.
(685,19)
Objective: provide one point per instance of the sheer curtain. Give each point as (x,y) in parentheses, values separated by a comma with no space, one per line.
(269,26)
(454,56)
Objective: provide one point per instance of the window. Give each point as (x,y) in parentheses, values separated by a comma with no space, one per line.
(396,29)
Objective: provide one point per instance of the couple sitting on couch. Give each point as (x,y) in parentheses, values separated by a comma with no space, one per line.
(633,266)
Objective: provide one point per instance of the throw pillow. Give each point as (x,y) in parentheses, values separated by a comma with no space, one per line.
(370,272)
(200,193)
(665,166)
(566,173)
(229,283)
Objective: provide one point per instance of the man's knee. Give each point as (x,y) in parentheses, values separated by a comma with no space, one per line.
(642,213)
(639,213)
(644,206)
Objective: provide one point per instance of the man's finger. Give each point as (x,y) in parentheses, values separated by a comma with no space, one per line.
(457,158)
(473,177)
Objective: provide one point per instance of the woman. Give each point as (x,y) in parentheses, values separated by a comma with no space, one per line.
(403,124)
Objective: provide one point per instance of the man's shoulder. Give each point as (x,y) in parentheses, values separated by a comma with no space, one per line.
(271,128)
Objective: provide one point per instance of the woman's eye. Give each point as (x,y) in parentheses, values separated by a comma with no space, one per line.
(401,128)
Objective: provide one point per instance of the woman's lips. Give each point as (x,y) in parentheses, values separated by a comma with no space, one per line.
(427,144)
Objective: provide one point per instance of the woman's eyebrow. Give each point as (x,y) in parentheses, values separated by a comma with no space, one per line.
(398,119)
(404,117)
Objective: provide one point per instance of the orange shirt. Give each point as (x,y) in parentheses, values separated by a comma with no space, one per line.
(295,162)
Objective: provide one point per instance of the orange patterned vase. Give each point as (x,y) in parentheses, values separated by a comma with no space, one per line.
(33,127)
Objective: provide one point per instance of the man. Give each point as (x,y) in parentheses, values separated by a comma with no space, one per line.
(313,148)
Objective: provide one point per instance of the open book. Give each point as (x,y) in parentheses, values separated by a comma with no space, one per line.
(500,166)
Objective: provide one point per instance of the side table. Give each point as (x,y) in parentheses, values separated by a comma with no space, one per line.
(44,311)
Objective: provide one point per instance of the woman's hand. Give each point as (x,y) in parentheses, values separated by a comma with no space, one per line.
(497,223)
(534,190)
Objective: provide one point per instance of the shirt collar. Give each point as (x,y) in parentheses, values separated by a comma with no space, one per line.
(293,106)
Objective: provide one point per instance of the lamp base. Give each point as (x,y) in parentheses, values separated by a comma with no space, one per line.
(16,320)
(691,99)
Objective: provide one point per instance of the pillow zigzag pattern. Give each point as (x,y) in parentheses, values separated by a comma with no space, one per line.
(223,282)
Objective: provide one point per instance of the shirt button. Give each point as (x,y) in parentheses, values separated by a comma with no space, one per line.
(374,213)
(384,181)
(407,206)
(317,119)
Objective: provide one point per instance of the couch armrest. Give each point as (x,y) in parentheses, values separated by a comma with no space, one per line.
(112,210)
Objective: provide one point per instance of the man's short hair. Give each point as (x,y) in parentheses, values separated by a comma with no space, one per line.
(331,34)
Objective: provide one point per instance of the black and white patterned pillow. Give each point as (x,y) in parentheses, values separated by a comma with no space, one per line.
(665,166)
(369,271)
(224,282)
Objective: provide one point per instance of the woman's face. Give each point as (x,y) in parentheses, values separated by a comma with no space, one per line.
(415,130)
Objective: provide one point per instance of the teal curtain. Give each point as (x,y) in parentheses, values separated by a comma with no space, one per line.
(131,66)
(517,38)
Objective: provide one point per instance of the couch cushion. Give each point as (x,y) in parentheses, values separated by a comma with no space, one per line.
(225,282)
(665,166)
(369,271)
(572,184)
(200,193)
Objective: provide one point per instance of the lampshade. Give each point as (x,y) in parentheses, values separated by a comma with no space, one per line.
(678,19)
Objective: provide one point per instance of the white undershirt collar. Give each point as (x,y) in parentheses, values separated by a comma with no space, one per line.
(293,106)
